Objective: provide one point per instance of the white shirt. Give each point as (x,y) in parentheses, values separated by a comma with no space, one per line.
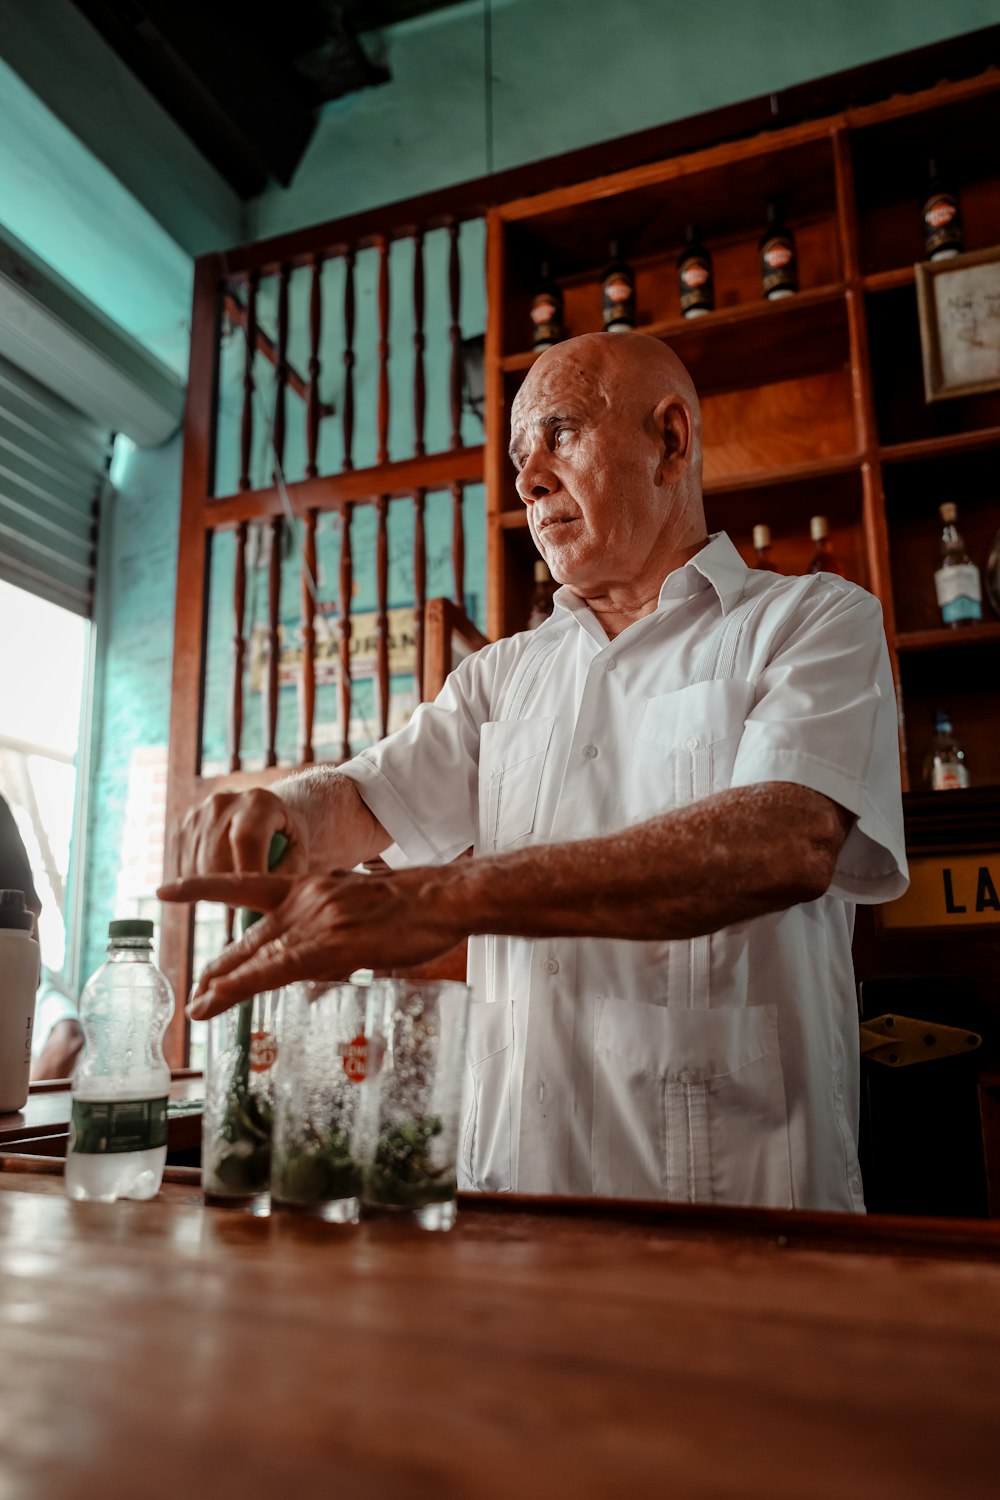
(723,1069)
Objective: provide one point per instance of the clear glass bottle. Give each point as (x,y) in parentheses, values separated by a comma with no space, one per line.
(118,1137)
(944,767)
(956,582)
(824,559)
(992,578)
(618,291)
(541,599)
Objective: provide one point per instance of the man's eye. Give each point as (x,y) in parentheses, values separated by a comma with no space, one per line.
(561,433)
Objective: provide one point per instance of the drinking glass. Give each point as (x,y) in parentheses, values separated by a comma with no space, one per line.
(236,1120)
(411,1101)
(317,1086)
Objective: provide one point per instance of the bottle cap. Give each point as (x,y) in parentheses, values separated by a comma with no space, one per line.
(948,512)
(14,912)
(942,723)
(542,574)
(761,537)
(819,528)
(130,927)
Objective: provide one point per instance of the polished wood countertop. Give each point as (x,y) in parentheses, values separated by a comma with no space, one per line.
(561,1350)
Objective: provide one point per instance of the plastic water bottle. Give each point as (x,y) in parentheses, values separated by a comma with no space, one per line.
(118,1138)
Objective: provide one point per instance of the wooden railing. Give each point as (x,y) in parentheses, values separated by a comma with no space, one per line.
(231,290)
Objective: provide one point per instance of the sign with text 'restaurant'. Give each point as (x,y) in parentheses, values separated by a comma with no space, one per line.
(948,891)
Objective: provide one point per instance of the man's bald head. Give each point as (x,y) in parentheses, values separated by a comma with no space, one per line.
(629,372)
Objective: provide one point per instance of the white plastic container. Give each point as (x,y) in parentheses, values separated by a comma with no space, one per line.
(118,1138)
(19,970)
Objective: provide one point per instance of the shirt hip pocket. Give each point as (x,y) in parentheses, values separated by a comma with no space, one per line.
(486,1135)
(690,1105)
(511,759)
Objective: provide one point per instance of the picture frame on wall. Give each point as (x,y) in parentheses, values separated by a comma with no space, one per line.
(958,303)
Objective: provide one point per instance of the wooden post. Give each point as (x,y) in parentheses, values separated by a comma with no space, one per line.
(281,374)
(246,431)
(383,350)
(458,543)
(419,582)
(315,330)
(455,331)
(349,360)
(382,606)
(419,390)
(273,640)
(308,678)
(346,591)
(239,645)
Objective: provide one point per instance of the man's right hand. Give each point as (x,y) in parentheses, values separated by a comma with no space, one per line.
(231,832)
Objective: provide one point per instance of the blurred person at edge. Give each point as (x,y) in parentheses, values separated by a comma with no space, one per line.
(676,790)
(57,1036)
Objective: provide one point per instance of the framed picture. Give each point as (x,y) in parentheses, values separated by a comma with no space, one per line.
(958,301)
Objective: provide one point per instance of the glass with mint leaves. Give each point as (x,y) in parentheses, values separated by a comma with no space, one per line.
(415,1064)
(318,1076)
(239,1105)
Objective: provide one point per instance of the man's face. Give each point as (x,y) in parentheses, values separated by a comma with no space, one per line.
(586,463)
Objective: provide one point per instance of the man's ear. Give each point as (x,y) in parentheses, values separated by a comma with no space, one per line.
(675,431)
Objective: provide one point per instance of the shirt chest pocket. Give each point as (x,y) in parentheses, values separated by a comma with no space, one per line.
(511,760)
(686,744)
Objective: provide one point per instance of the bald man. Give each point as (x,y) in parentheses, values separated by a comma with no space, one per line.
(676,791)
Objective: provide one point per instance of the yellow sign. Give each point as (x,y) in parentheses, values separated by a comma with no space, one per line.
(402,632)
(960,890)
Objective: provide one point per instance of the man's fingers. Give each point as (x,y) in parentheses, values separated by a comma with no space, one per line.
(275,964)
(258,892)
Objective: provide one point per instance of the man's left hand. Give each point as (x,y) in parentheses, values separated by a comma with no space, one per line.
(315,927)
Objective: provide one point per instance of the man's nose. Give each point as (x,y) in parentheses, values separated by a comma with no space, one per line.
(536,479)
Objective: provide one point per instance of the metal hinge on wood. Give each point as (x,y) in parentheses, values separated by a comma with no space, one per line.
(900,1040)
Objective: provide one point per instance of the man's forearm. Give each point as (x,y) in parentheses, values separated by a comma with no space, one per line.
(724,860)
(343,831)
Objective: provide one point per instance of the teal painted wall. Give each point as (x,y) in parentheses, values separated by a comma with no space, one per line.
(569,73)
(565,75)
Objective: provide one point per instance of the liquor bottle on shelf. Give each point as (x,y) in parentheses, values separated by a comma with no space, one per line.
(824,559)
(694,273)
(944,766)
(541,599)
(546,311)
(762,547)
(957,582)
(779,266)
(942,217)
(618,294)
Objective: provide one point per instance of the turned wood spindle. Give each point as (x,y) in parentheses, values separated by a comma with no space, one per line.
(308,678)
(455,331)
(230,923)
(419,385)
(239,646)
(246,431)
(281,373)
(458,542)
(346,591)
(383,350)
(419,583)
(382,607)
(273,640)
(313,403)
(349,360)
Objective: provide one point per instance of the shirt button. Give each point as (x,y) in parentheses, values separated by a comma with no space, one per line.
(685,1077)
(693,744)
(610,664)
(590,751)
(551,966)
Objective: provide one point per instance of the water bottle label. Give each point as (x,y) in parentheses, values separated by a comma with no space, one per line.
(949,778)
(959,592)
(101,1127)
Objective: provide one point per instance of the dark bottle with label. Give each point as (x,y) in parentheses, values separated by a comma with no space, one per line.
(762,547)
(546,311)
(824,559)
(694,273)
(619,294)
(779,266)
(942,218)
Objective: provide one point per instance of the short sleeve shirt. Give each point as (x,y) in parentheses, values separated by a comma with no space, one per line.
(720,1069)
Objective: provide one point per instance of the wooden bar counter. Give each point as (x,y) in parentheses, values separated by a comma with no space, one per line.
(549,1349)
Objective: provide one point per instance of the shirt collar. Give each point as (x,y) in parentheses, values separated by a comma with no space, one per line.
(718,565)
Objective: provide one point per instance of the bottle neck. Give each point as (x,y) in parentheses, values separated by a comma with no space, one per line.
(130,951)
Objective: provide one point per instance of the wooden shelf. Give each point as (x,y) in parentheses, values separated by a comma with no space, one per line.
(888,281)
(940,447)
(683,332)
(944,636)
(765,479)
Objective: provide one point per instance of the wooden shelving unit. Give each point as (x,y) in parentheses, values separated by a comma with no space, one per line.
(810,405)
